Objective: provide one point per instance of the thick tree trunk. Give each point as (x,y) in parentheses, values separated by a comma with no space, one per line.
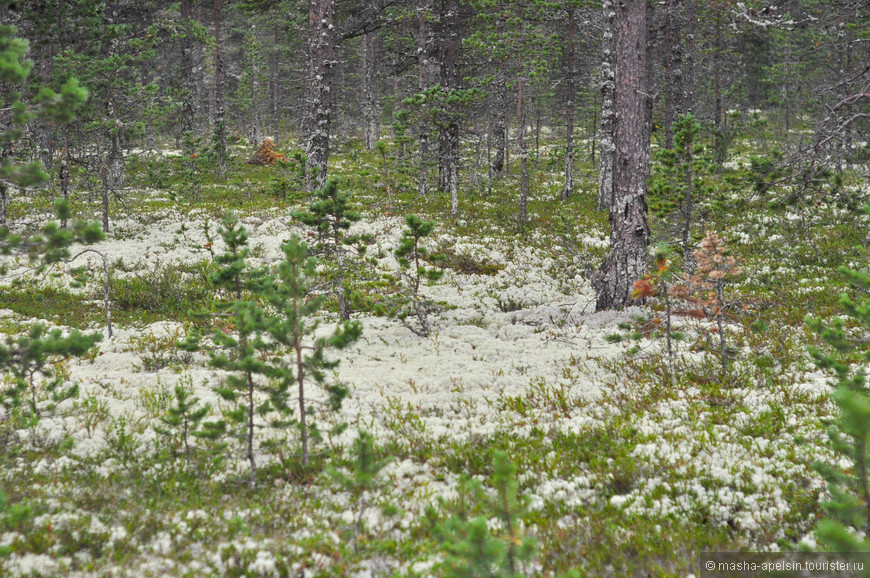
(320,50)
(448,138)
(4,201)
(371,111)
(568,189)
(629,232)
(608,65)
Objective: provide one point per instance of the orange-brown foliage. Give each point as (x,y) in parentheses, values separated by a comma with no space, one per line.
(266,154)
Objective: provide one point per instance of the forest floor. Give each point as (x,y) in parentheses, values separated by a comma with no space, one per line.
(623,467)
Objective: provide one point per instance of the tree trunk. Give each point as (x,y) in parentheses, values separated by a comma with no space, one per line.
(606,148)
(202,108)
(427,73)
(568,189)
(500,126)
(257,134)
(718,132)
(274,96)
(521,139)
(371,116)
(691,55)
(672,58)
(629,232)
(220,127)
(320,60)
(448,138)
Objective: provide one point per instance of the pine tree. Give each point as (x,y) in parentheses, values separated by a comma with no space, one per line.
(25,358)
(681,182)
(240,353)
(471,549)
(331,214)
(849,507)
(411,255)
(15,112)
(184,420)
(241,345)
(362,481)
(235,273)
(293,329)
(659,284)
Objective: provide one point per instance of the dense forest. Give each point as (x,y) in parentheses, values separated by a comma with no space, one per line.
(432,287)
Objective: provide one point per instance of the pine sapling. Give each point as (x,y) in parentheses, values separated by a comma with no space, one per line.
(658,284)
(28,362)
(183,420)
(241,355)
(706,290)
(234,273)
(470,548)
(293,328)
(362,481)
(848,524)
(331,214)
(411,255)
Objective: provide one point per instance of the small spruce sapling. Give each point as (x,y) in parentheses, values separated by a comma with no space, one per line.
(331,214)
(293,327)
(411,256)
(848,524)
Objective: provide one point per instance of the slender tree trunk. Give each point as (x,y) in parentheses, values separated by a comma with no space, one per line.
(606,148)
(521,139)
(371,116)
(187,81)
(500,125)
(691,55)
(672,59)
(250,436)
(64,173)
(220,127)
(319,117)
(718,131)
(568,189)
(257,134)
(688,207)
(427,71)
(203,106)
(448,140)
(629,232)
